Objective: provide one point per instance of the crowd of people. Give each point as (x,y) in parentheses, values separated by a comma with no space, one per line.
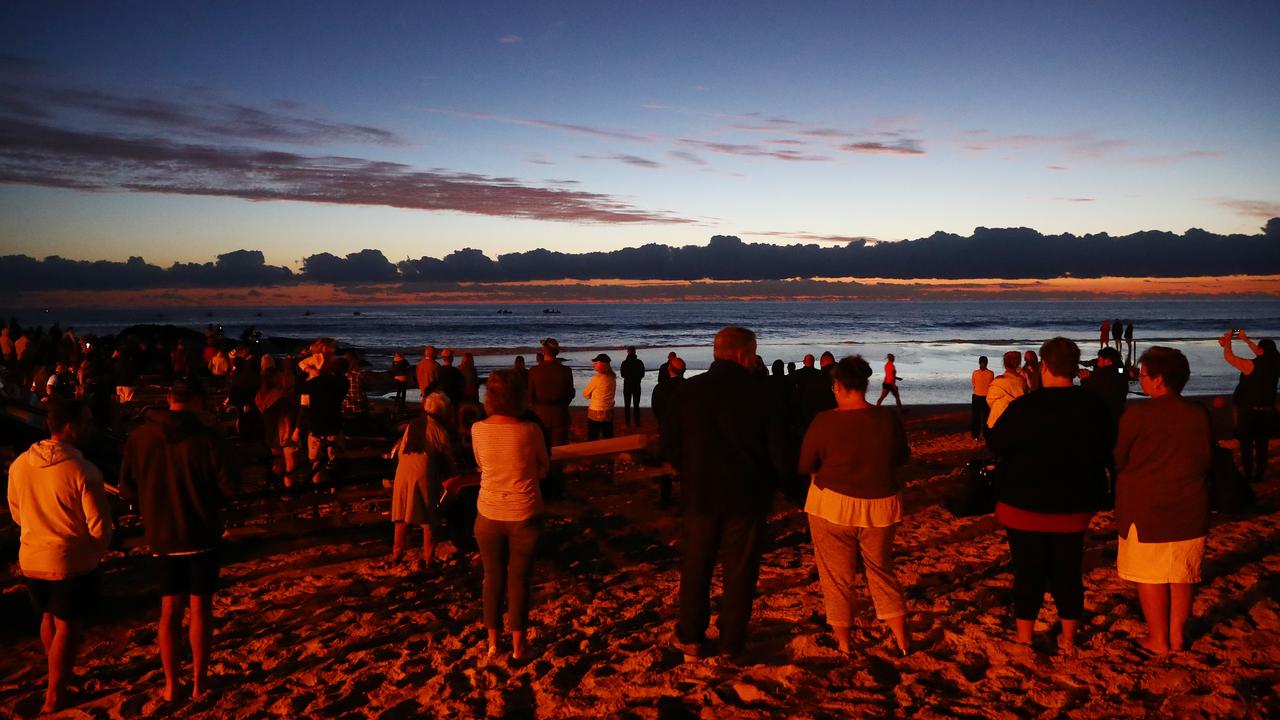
(737,435)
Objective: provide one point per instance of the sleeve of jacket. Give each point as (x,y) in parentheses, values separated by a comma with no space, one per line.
(15,506)
(1124,440)
(97,511)
(671,432)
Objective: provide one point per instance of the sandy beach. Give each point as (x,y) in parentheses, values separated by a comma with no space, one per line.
(323,626)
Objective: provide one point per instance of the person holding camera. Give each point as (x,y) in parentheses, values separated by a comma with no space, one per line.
(1254,399)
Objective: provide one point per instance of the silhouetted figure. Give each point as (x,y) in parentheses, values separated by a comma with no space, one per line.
(981,378)
(1117,333)
(1254,399)
(890,384)
(632,370)
(1108,381)
(1104,334)
(663,375)
(725,436)
(663,391)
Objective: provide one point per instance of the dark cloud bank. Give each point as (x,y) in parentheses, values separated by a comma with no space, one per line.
(1011,253)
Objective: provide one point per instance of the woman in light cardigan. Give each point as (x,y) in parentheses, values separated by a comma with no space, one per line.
(512,457)
(855,502)
(425,459)
(601,394)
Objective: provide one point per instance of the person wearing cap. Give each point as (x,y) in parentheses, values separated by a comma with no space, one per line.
(178,470)
(57,498)
(632,373)
(663,375)
(600,393)
(550,392)
(663,391)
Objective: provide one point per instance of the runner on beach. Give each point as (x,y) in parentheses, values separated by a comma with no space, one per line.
(890,384)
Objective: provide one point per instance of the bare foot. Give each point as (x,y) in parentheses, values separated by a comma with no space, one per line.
(52,704)
(1155,647)
(170,692)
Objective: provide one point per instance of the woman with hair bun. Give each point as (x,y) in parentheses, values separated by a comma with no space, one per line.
(425,459)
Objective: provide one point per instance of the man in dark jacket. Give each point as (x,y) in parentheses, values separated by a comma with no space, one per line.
(663,391)
(551,391)
(178,470)
(724,433)
(632,373)
(1107,381)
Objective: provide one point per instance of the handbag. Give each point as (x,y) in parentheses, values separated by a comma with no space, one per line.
(1229,492)
(975,494)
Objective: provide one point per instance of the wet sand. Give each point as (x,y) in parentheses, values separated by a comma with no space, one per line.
(323,626)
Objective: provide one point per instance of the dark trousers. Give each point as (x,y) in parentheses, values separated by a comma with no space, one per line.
(1253,428)
(1052,560)
(402,392)
(597,429)
(978,423)
(631,399)
(735,541)
(506,552)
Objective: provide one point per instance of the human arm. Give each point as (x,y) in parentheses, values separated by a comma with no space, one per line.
(542,463)
(811,448)
(96,509)
(1244,365)
(901,449)
(15,504)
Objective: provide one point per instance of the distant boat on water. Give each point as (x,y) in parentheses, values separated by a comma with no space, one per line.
(549,311)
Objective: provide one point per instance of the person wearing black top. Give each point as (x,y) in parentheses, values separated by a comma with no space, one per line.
(321,400)
(1255,400)
(1107,381)
(724,433)
(1054,446)
(632,369)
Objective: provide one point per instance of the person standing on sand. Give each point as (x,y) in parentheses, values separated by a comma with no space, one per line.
(1005,389)
(551,391)
(601,393)
(855,502)
(425,459)
(724,434)
(449,379)
(1054,446)
(982,378)
(1104,334)
(178,471)
(632,373)
(400,376)
(1031,370)
(58,500)
(426,371)
(1162,459)
(663,391)
(890,384)
(1254,399)
(663,375)
(512,457)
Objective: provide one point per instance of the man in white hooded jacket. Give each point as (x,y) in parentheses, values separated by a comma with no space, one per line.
(58,500)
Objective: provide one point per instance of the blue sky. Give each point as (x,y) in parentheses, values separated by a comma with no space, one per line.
(591,126)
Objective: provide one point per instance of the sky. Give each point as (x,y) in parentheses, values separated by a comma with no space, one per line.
(180,131)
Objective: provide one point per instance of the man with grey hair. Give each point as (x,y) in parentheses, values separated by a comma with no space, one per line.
(724,432)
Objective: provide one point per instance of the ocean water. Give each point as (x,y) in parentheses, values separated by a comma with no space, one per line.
(936,342)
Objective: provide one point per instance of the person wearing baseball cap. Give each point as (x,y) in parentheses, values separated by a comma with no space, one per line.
(601,392)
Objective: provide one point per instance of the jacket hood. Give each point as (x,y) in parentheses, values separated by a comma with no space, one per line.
(48,453)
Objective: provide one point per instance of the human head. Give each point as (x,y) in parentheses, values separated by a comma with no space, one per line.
(446,356)
(550,348)
(468,359)
(827,360)
(186,395)
(631,351)
(1108,356)
(1060,357)
(890,357)
(429,352)
(436,405)
(676,367)
(1163,366)
(736,344)
(353,360)
(671,355)
(519,363)
(808,360)
(982,361)
(601,362)
(66,419)
(1012,360)
(852,374)
(1268,346)
(504,393)
(1030,359)
(778,368)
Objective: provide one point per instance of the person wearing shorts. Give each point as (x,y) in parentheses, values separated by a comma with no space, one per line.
(179,470)
(58,500)
(1163,455)
(890,384)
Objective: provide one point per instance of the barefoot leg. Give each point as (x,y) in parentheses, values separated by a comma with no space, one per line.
(1024,630)
(62,656)
(1179,610)
(1068,638)
(841,634)
(172,608)
(47,629)
(201,636)
(517,644)
(398,534)
(1155,608)
(428,546)
(899,627)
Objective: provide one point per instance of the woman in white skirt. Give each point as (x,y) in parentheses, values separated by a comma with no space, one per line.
(425,460)
(1162,496)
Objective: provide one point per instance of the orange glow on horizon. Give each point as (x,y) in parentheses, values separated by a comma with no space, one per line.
(610,290)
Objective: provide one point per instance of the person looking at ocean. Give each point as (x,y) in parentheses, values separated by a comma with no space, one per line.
(662,392)
(512,457)
(1031,370)
(855,501)
(1005,389)
(1054,447)
(449,379)
(663,375)
(1108,381)
(981,378)
(816,394)
(551,391)
(632,368)
(1254,399)
(601,394)
(1162,458)
(424,459)
(178,470)
(400,377)
(427,370)
(57,499)
(890,384)
(724,433)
